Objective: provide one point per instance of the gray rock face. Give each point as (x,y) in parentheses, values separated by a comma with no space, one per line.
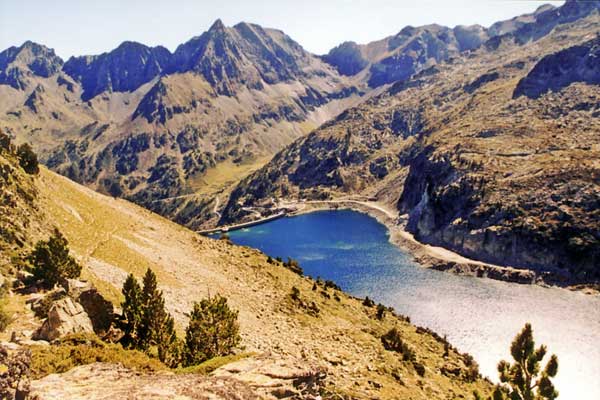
(124,69)
(245,54)
(65,317)
(30,59)
(99,310)
(513,24)
(556,71)
(347,58)
(414,49)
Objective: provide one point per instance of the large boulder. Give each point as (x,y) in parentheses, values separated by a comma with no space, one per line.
(100,310)
(65,317)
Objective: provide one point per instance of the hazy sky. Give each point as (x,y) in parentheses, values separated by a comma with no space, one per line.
(77,27)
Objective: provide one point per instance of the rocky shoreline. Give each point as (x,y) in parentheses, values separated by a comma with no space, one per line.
(439,258)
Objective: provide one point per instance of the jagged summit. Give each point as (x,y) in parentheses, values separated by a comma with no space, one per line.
(413,49)
(17,64)
(217,26)
(399,56)
(244,55)
(123,69)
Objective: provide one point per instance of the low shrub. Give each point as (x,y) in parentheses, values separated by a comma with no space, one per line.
(420,368)
(295,293)
(381,309)
(78,350)
(392,341)
(41,309)
(5,318)
(294,266)
(28,159)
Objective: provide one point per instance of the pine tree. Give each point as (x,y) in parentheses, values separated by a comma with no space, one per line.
(169,346)
(132,307)
(153,314)
(149,326)
(524,377)
(51,260)
(213,330)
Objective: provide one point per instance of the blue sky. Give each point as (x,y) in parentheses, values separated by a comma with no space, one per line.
(77,27)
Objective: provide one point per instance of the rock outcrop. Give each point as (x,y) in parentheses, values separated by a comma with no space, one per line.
(65,317)
(110,381)
(276,378)
(99,310)
(579,63)
(253,378)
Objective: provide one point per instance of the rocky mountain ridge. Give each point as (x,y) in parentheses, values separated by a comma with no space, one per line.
(414,49)
(151,126)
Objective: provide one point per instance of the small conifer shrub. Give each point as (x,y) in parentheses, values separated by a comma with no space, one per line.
(51,261)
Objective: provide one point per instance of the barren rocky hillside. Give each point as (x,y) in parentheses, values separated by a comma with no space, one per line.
(493,154)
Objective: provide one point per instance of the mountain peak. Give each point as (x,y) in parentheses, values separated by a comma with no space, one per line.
(30,59)
(129,44)
(245,55)
(217,26)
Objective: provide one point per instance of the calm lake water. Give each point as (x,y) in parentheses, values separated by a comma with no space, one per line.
(479,316)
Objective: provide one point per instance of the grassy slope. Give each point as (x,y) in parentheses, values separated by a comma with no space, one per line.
(112,237)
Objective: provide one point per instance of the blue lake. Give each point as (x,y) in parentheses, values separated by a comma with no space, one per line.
(480,316)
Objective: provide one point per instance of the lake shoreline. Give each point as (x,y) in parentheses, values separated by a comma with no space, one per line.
(433,257)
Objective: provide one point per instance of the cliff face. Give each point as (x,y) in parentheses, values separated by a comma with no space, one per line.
(504,179)
(124,69)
